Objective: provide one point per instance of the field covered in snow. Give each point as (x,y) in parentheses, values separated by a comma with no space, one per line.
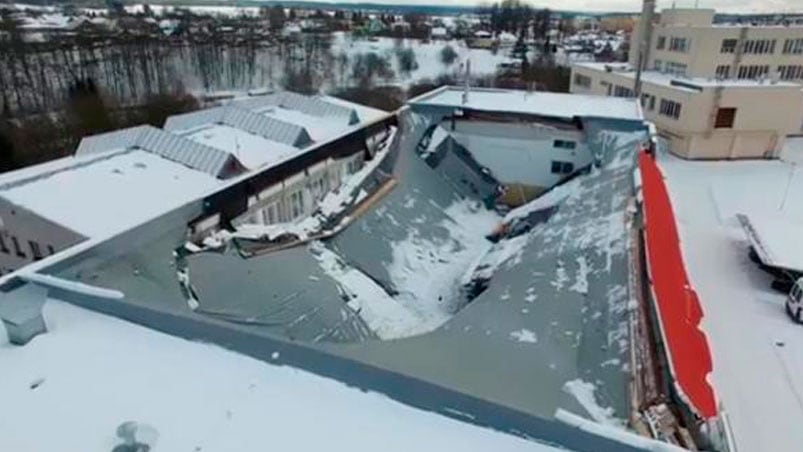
(72,387)
(755,347)
(428,56)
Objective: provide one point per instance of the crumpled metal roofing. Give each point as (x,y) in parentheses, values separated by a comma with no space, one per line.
(243,119)
(197,156)
(313,106)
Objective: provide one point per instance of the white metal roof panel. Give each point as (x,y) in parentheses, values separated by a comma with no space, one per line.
(172,147)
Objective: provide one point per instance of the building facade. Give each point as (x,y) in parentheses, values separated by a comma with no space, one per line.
(714,91)
(705,118)
(686,42)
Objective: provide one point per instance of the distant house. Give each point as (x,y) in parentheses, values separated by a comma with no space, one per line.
(439,33)
(481,40)
(400,27)
(291,30)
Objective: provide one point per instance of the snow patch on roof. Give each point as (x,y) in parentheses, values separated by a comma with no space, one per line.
(427,274)
(199,397)
(113,194)
(253,151)
(584,392)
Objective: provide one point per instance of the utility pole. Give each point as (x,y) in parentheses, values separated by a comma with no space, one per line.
(643,46)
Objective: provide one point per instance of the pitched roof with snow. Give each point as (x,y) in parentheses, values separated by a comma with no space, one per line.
(210,160)
(270,128)
(310,105)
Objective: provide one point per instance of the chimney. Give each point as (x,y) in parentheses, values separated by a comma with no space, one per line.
(468,82)
(645,39)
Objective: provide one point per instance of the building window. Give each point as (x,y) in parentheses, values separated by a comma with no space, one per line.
(661,43)
(728,46)
(678,69)
(353,166)
(725,117)
(669,108)
(36,252)
(559,167)
(623,91)
(3,246)
(17,249)
(648,101)
(272,213)
(753,71)
(297,204)
(793,46)
(792,72)
(564,144)
(759,46)
(679,44)
(583,81)
(723,71)
(658,65)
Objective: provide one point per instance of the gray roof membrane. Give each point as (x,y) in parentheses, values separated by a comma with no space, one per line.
(553,312)
(197,156)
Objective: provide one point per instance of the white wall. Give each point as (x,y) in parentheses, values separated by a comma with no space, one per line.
(17,223)
(521,153)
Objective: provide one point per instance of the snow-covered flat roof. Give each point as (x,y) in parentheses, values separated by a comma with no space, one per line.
(661,78)
(70,389)
(111,194)
(251,150)
(535,103)
(755,347)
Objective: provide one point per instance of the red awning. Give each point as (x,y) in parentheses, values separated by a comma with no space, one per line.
(678,307)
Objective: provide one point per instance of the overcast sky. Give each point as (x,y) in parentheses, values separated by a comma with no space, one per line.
(730,6)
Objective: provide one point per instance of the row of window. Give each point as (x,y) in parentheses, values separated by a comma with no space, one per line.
(560,167)
(763,46)
(669,108)
(35,250)
(785,72)
(676,44)
(753,71)
(758,46)
(623,91)
(724,119)
(793,46)
(790,72)
(293,206)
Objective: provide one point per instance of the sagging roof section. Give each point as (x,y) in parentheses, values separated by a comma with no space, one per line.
(545,104)
(243,119)
(207,159)
(313,106)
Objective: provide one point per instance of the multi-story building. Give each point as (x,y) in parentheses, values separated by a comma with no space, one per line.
(713,90)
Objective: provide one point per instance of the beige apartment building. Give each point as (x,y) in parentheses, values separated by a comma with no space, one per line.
(714,91)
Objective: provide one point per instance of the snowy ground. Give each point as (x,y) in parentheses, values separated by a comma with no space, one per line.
(756,349)
(428,56)
(70,389)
